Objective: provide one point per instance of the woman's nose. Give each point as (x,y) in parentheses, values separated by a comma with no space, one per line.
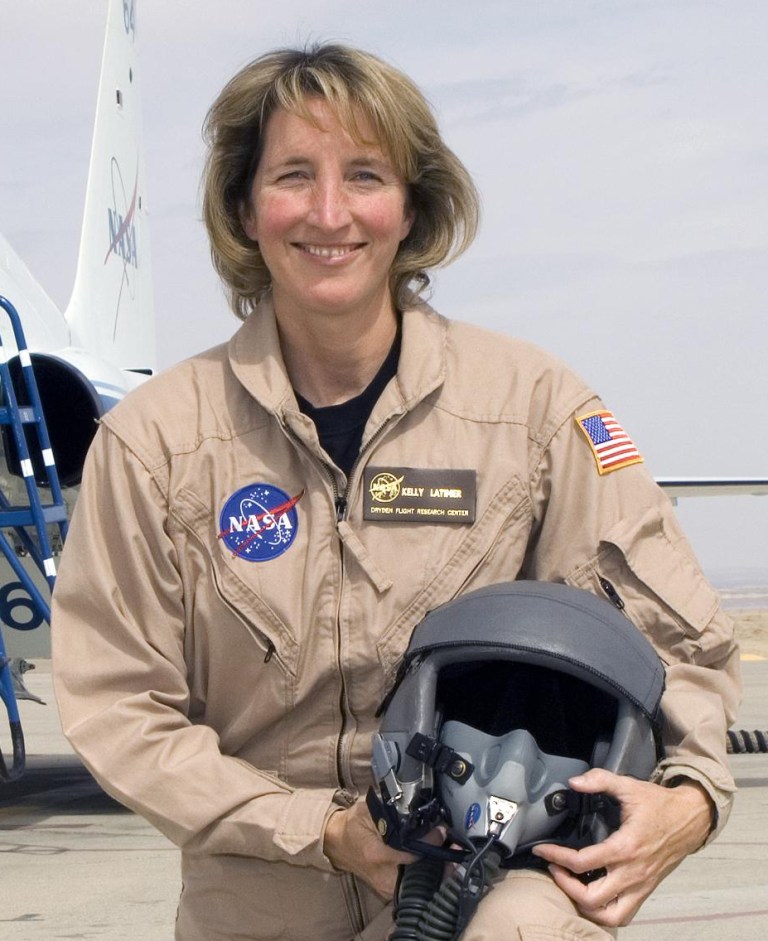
(330,205)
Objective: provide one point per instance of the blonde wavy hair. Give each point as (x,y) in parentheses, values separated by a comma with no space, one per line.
(355,84)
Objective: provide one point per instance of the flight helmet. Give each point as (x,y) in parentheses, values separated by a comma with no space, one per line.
(502,696)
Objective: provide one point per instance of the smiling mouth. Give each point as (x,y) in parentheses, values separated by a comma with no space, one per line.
(329,251)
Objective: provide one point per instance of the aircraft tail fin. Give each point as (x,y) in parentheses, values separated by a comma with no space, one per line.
(111,308)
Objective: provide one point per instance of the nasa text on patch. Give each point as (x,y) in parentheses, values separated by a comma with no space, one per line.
(259,522)
(611,445)
(417,495)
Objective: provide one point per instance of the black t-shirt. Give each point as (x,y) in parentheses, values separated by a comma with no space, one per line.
(340,427)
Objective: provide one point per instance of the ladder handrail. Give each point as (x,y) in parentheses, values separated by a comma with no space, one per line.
(34,393)
(21,519)
(9,392)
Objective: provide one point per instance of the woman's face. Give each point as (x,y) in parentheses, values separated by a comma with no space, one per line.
(328,214)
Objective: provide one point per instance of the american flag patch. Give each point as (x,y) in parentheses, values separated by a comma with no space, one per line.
(611,445)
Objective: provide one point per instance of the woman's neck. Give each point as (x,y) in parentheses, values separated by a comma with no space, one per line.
(332,359)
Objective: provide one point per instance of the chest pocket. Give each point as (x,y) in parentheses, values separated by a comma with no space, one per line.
(207,555)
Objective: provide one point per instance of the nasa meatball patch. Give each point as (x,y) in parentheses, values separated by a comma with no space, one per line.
(259,522)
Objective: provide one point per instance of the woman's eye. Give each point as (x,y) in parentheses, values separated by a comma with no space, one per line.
(367,176)
(291,176)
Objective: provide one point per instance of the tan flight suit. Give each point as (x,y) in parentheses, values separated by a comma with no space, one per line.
(230,699)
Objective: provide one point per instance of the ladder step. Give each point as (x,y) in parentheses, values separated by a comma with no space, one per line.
(22,516)
(25,412)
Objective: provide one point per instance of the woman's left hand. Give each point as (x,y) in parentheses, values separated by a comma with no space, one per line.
(660,826)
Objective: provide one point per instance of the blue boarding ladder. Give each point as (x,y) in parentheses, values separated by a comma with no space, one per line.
(30,521)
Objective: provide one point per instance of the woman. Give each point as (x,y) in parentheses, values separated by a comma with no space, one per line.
(253,546)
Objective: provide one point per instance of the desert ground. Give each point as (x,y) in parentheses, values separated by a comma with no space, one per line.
(751,631)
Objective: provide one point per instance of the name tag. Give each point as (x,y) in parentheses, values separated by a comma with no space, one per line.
(416,495)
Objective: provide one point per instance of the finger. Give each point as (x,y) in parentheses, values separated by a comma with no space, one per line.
(622,787)
(598,856)
(611,899)
(592,894)
(616,912)
(601,900)
(436,837)
(596,780)
(383,855)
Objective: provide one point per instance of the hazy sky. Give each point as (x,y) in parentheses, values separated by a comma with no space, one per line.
(620,146)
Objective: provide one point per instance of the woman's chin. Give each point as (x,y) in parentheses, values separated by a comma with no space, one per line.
(332,300)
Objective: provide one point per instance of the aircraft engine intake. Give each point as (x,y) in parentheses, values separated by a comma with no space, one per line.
(75,391)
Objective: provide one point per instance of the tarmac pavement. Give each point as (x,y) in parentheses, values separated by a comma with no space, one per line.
(76,865)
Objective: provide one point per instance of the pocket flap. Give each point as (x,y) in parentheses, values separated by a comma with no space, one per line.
(664,565)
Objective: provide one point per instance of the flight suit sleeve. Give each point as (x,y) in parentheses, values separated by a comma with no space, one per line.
(120,680)
(616,535)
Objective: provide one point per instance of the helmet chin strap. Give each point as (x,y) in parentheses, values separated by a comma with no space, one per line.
(407,836)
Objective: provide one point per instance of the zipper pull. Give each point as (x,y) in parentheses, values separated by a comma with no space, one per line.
(341,508)
(270,651)
(613,595)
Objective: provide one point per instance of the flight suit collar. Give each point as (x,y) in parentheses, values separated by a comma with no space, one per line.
(257,362)
(423,356)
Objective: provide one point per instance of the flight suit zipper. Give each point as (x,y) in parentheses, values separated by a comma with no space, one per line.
(341,499)
(341,505)
(349,882)
(613,595)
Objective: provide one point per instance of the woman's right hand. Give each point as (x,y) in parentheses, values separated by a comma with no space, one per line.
(353,844)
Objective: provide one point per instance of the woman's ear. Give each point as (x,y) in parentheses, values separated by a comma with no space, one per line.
(248,220)
(409,217)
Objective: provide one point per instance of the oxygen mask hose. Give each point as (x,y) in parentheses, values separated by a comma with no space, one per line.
(419,882)
(431,909)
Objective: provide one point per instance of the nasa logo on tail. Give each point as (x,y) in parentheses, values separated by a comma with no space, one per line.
(122,228)
(129,17)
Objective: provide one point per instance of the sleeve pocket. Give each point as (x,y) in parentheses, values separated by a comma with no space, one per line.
(665,594)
